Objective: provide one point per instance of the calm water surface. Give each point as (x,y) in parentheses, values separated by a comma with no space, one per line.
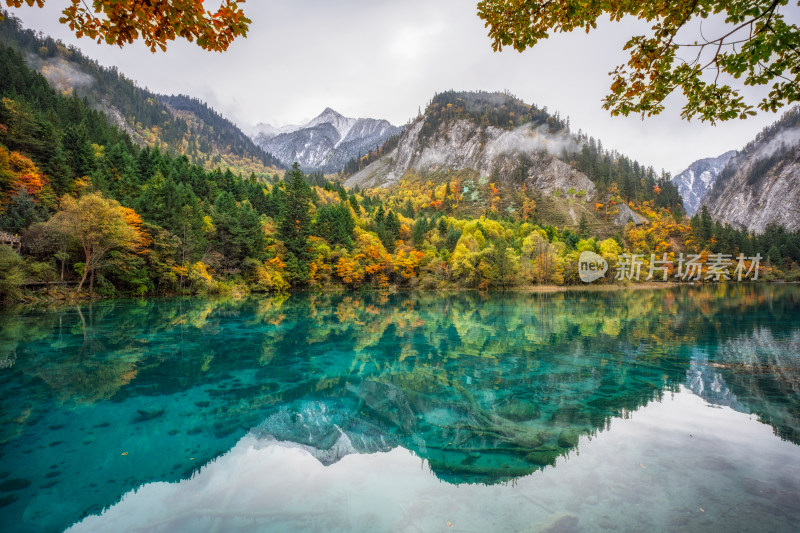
(666,410)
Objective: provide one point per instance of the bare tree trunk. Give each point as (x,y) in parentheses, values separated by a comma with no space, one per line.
(83,279)
(85,272)
(91,283)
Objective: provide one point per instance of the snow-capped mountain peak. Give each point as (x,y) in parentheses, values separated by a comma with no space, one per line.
(342,124)
(695,182)
(326,142)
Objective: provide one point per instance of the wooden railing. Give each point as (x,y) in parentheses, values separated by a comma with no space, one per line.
(11,240)
(47,283)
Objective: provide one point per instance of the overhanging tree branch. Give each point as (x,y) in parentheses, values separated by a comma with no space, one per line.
(655,69)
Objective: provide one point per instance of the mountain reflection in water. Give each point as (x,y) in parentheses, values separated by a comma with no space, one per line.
(353,391)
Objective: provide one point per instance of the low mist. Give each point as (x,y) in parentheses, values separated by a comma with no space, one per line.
(60,73)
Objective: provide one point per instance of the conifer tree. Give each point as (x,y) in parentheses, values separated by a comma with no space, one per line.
(294,225)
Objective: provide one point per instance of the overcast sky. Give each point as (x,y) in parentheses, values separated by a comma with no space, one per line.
(386,59)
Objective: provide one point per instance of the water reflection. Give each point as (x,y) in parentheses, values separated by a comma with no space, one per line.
(675,465)
(485,389)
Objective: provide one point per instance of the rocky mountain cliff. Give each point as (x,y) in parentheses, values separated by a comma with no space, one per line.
(327,142)
(465,136)
(695,182)
(761,185)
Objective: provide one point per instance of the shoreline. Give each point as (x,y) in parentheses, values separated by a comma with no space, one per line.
(53,302)
(592,287)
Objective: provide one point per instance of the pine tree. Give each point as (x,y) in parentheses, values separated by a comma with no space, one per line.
(80,155)
(418,233)
(21,212)
(59,172)
(354,203)
(583,226)
(335,224)
(706,226)
(442,225)
(774,255)
(294,225)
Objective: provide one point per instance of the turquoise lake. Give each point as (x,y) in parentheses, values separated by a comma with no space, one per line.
(632,410)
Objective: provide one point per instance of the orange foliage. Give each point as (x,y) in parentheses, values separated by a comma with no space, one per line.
(528,209)
(26,175)
(134,219)
(406,262)
(374,258)
(347,270)
(494,198)
(32,182)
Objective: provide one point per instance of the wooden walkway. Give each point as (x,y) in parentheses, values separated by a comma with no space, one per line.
(11,240)
(46,283)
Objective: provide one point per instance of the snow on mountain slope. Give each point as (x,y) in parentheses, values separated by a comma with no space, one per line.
(326,142)
(695,182)
(761,184)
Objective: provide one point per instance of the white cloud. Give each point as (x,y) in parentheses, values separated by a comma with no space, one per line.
(410,43)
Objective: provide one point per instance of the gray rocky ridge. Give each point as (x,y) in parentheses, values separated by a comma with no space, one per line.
(325,143)
(695,182)
(488,150)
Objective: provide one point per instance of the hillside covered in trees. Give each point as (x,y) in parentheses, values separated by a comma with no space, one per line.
(179,125)
(502,136)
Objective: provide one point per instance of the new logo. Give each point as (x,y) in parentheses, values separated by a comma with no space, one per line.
(591,267)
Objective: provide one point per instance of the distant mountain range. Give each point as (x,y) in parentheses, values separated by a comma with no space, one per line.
(752,188)
(695,182)
(761,184)
(325,143)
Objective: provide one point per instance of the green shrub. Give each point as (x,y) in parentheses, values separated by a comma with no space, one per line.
(12,274)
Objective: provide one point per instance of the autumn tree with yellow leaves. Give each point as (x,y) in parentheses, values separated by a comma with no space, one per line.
(98,225)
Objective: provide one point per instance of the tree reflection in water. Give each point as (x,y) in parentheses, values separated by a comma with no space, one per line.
(485,388)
